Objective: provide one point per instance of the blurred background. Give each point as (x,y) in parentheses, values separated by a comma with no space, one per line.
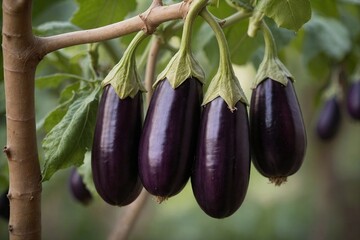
(321,201)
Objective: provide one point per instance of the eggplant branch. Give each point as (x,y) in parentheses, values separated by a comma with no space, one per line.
(151,67)
(147,21)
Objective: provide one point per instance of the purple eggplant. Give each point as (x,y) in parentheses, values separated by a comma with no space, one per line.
(4,206)
(277,131)
(115,148)
(353,100)
(167,145)
(78,188)
(329,119)
(221,171)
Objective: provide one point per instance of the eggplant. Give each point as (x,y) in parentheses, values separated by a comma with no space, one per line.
(329,119)
(168,139)
(277,131)
(115,148)
(78,188)
(4,206)
(353,100)
(221,171)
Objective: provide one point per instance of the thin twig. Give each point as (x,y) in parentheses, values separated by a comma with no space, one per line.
(147,21)
(128,219)
(151,66)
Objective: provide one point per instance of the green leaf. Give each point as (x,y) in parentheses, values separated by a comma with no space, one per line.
(53,28)
(96,13)
(351,1)
(290,14)
(55,116)
(68,92)
(241,46)
(66,144)
(2,98)
(326,35)
(4,176)
(54,10)
(240,4)
(86,174)
(325,7)
(54,80)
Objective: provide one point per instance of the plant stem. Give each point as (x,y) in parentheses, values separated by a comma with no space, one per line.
(236,17)
(151,66)
(134,44)
(152,17)
(127,221)
(20,63)
(195,8)
(225,62)
(270,45)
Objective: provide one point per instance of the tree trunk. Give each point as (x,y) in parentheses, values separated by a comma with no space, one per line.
(20,61)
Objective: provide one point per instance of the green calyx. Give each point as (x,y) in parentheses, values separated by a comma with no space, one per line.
(271,66)
(214,3)
(224,84)
(124,77)
(334,89)
(183,65)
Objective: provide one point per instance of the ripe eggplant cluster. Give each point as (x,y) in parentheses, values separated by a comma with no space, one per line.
(180,140)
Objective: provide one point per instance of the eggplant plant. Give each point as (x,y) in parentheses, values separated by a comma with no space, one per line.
(196,126)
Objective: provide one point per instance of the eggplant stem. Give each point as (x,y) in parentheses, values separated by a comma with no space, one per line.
(160,199)
(278,180)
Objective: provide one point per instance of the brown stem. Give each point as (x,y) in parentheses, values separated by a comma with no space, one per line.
(127,220)
(147,21)
(151,66)
(20,61)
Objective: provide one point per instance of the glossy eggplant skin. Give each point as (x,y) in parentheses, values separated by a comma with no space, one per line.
(277,132)
(78,188)
(329,119)
(221,171)
(167,145)
(115,148)
(4,206)
(353,100)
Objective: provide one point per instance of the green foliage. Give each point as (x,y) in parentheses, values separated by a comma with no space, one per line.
(96,13)
(86,173)
(328,36)
(55,80)
(67,142)
(53,28)
(291,14)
